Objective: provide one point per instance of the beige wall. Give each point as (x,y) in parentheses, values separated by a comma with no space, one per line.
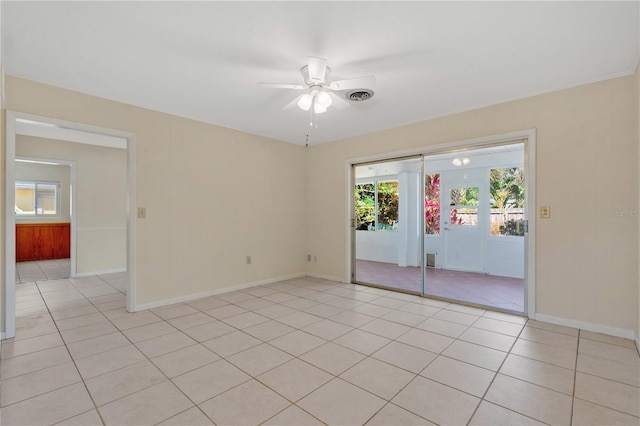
(48,173)
(247,189)
(587,164)
(101,199)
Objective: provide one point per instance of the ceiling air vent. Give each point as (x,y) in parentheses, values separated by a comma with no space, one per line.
(359,95)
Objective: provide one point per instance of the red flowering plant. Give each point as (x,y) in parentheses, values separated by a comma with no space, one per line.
(455,220)
(432,204)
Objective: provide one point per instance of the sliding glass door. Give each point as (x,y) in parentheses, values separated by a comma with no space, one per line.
(448,225)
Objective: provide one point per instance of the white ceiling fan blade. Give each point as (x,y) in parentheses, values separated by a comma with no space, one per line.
(281,86)
(338,103)
(293,104)
(366,82)
(317,69)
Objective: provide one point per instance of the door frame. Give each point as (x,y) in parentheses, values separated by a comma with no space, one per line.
(528,136)
(73,176)
(13,119)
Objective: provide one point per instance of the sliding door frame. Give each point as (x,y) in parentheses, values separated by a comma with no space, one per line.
(528,136)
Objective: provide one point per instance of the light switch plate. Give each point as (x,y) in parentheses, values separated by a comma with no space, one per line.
(142,213)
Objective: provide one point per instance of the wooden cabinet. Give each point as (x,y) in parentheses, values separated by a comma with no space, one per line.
(42,241)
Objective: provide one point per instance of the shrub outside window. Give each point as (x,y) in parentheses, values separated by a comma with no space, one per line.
(365,204)
(376,206)
(388,206)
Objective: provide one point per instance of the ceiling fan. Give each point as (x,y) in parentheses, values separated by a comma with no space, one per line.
(320,93)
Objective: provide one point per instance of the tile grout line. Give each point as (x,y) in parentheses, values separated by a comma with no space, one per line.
(575,378)
(95,407)
(147,359)
(197,343)
(392,340)
(574,397)
(496,375)
(291,403)
(69,352)
(336,376)
(438,355)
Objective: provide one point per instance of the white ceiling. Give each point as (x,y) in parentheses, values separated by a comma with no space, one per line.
(202,60)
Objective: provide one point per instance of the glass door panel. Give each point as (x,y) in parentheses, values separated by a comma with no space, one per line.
(474,226)
(387,224)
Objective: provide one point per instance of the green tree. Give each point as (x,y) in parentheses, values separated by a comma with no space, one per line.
(507,191)
(507,187)
(464,196)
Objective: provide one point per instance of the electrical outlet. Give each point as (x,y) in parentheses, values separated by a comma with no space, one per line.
(142,212)
(248,260)
(308,258)
(545,212)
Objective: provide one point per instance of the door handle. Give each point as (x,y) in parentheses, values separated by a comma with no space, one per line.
(446,229)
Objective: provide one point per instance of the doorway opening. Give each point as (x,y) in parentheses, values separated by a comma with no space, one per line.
(461,231)
(45,219)
(108,227)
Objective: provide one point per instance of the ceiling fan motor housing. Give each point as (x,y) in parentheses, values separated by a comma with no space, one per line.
(309,81)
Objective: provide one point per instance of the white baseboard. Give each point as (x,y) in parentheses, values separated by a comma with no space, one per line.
(325,277)
(637,339)
(215,292)
(589,326)
(105,272)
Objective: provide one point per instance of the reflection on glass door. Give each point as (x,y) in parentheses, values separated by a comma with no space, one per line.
(387,224)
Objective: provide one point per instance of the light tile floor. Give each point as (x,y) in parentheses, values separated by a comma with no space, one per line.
(302,352)
(28,272)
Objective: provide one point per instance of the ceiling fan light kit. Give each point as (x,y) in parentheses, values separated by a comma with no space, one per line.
(320,92)
(318,98)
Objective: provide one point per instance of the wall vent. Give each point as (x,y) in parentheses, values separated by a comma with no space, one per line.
(359,95)
(431,260)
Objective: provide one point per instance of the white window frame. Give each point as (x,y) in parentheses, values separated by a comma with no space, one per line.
(375,182)
(37,215)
